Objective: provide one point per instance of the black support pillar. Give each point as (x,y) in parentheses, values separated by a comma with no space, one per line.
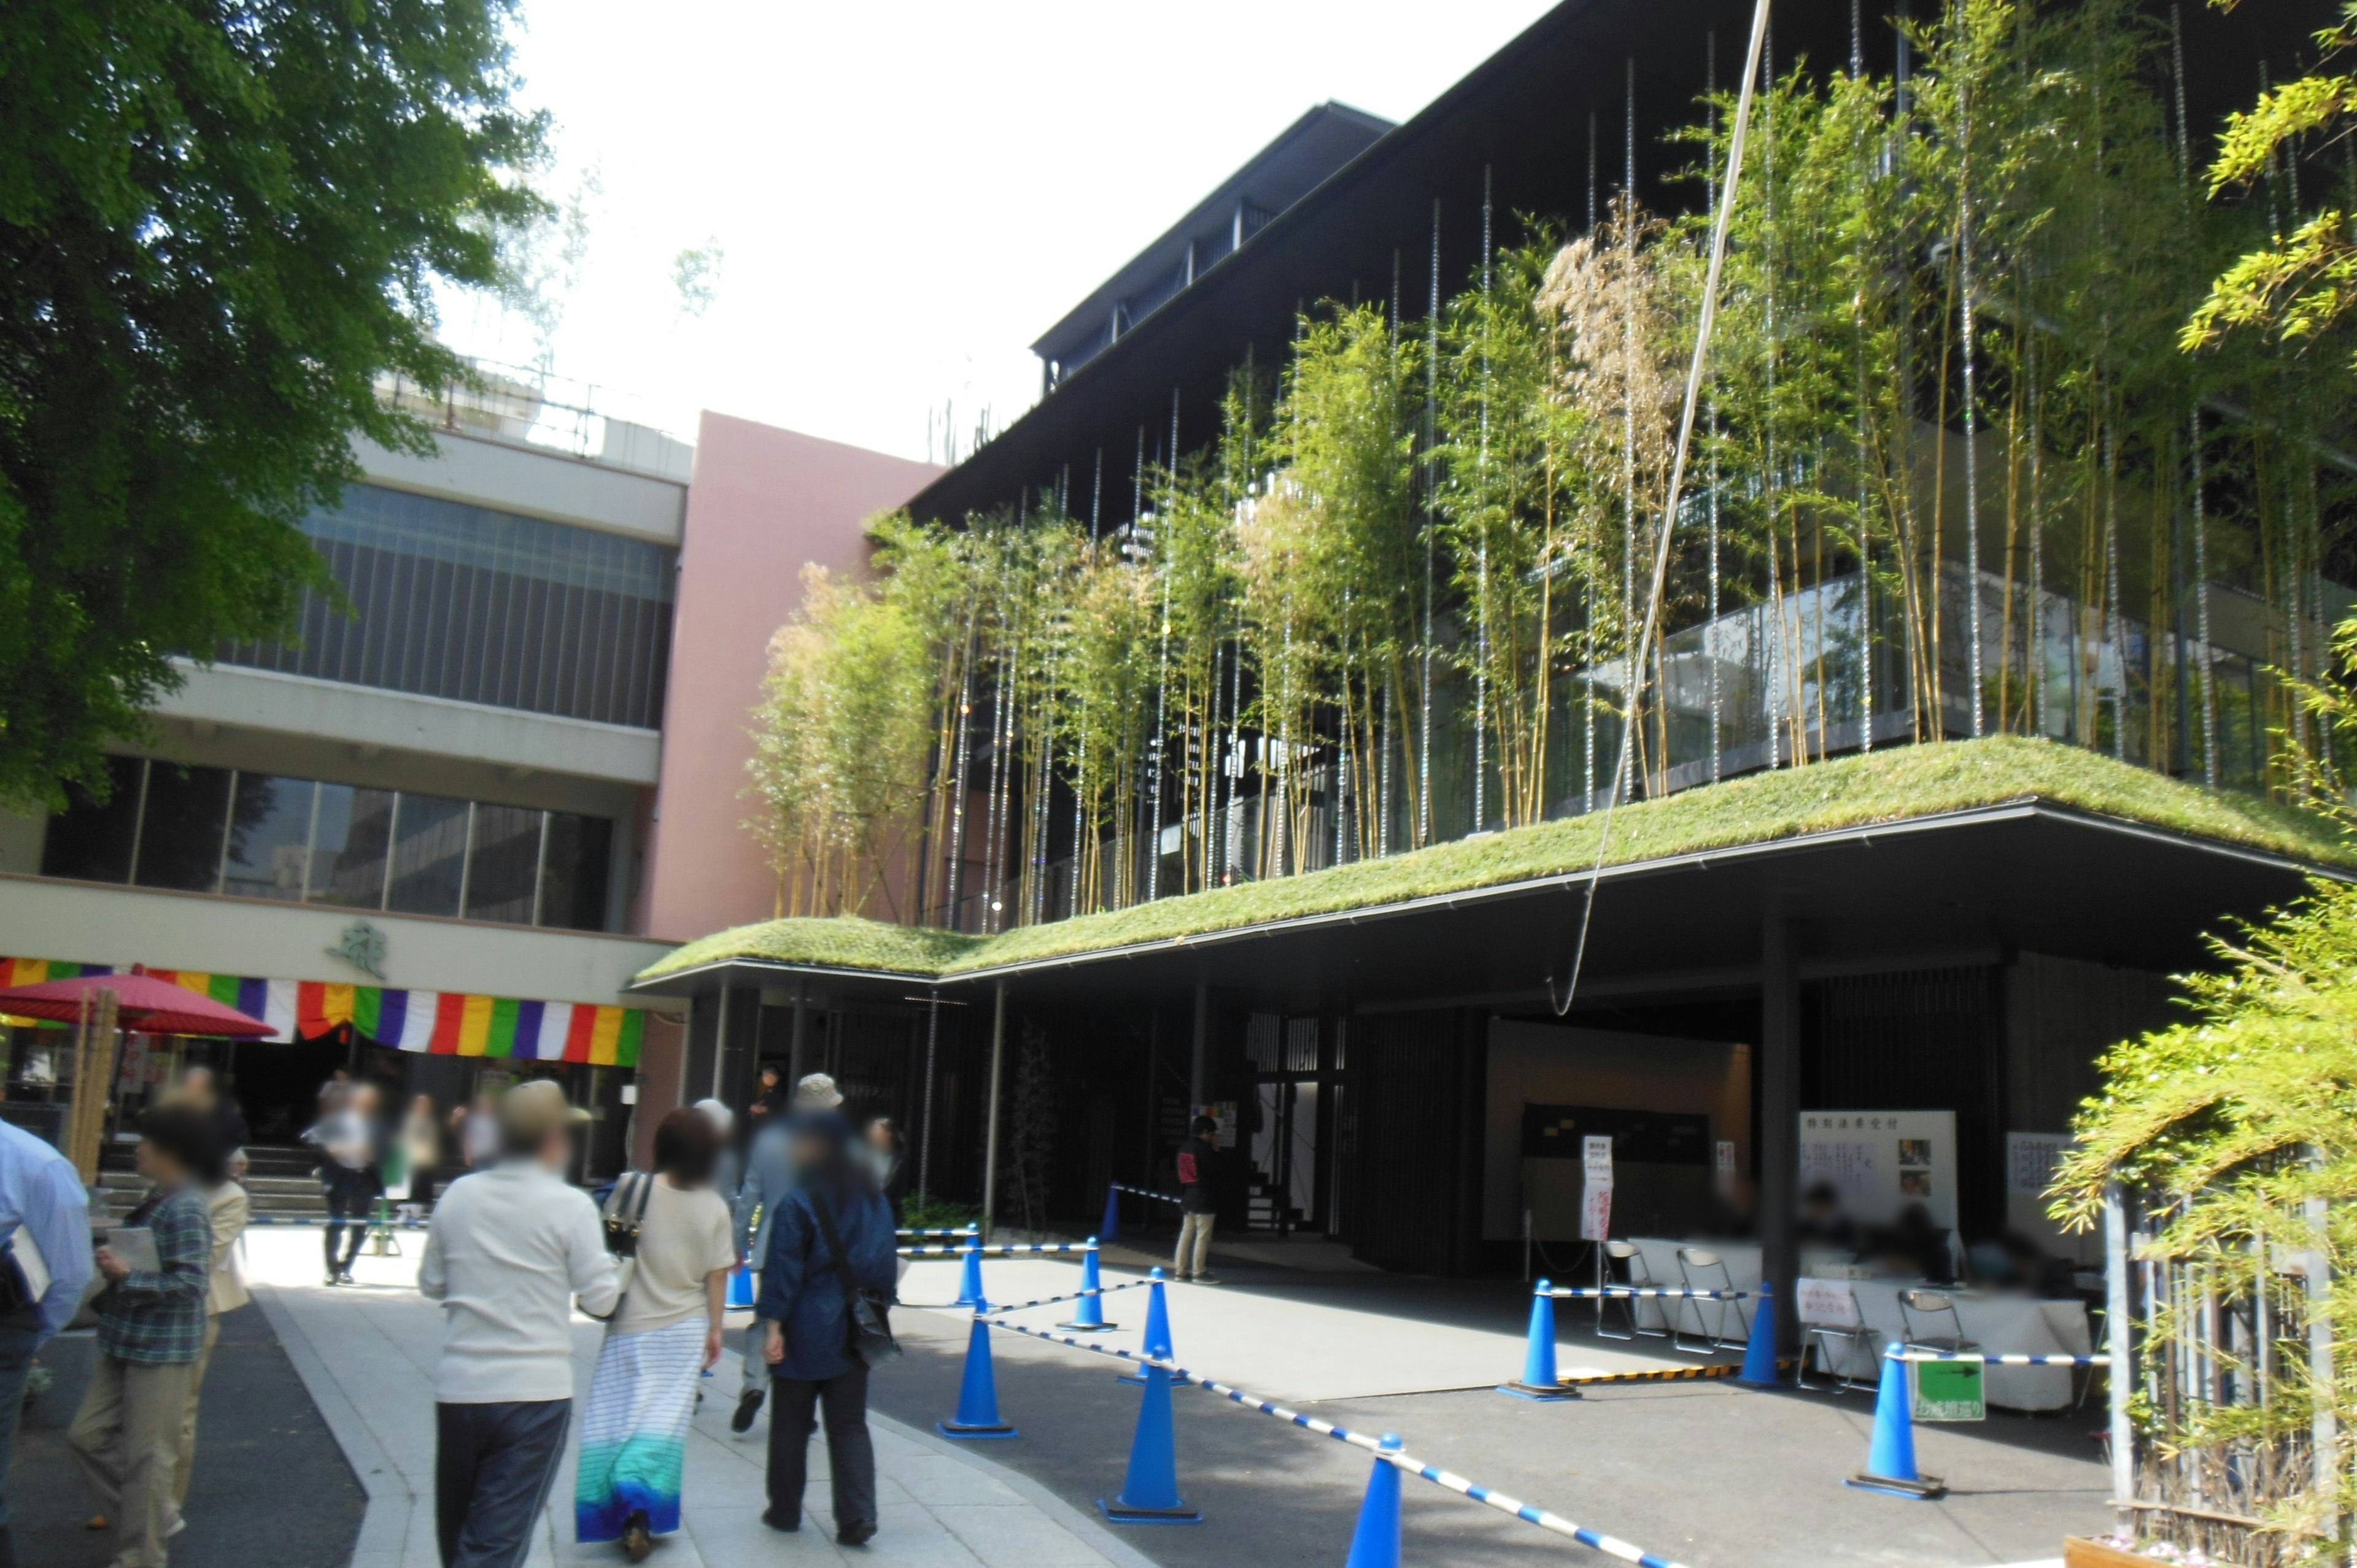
(1780,1114)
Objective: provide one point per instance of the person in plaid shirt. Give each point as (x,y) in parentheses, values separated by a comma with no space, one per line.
(151,1329)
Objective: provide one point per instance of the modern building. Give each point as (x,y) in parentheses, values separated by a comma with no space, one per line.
(1778,975)
(432,835)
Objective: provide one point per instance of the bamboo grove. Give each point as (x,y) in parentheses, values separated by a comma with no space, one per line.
(1954,476)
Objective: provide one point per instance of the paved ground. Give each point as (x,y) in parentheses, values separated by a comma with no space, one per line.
(367,1353)
(1701,1472)
(271,1490)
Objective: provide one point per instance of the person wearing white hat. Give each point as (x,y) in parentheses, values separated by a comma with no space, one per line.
(508,1251)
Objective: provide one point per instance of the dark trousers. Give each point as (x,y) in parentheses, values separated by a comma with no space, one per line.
(350,1196)
(17,1338)
(850,1456)
(493,1464)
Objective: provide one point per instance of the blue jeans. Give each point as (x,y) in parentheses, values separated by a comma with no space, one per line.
(17,1347)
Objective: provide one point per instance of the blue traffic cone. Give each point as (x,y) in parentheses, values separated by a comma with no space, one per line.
(1149,1494)
(1090,1312)
(1155,1340)
(1760,1355)
(1539,1379)
(740,1286)
(978,1411)
(1111,1230)
(970,1280)
(1890,1455)
(1376,1542)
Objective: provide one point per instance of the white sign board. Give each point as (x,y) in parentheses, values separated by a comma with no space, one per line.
(2031,1159)
(1832,1302)
(1596,1214)
(1596,1161)
(1882,1161)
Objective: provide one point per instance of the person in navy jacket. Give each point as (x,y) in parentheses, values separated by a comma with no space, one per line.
(807,1333)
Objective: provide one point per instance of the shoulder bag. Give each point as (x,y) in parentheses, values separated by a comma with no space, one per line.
(626,1211)
(868,1310)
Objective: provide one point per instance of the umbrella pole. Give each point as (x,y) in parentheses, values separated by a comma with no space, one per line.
(93,1072)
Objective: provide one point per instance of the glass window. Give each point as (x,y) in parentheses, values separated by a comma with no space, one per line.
(429,852)
(269,836)
(506,857)
(91,841)
(180,832)
(574,877)
(348,852)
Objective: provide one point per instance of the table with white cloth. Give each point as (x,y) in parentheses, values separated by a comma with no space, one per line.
(1996,1324)
(1723,1320)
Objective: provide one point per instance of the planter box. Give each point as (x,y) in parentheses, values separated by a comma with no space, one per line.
(2080,1553)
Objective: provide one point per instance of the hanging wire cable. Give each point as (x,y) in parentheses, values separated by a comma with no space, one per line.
(1678,478)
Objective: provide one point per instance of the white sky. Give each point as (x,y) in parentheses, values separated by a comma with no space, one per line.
(907,194)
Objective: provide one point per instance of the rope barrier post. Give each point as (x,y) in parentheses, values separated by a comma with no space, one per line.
(1110,1227)
(1155,1342)
(1090,1312)
(978,1411)
(1150,1492)
(1540,1380)
(1375,1543)
(970,1279)
(1890,1454)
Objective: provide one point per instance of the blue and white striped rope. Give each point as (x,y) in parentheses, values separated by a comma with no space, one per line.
(1624,1293)
(995,1249)
(1610,1545)
(1053,1300)
(1897,1354)
(958,1230)
(1145,1192)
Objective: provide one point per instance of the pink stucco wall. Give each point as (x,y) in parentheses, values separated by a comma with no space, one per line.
(764,502)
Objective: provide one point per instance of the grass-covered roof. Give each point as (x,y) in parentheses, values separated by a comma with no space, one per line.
(1893,785)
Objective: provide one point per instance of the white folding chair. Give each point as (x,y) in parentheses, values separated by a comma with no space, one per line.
(1701,1269)
(1632,1264)
(1922,1309)
(1831,1320)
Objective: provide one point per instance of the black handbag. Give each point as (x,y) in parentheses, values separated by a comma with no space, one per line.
(869,1310)
(622,1225)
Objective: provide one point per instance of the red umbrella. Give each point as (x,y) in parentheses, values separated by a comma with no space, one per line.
(144,1006)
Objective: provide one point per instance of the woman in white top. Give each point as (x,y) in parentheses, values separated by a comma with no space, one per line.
(664,1331)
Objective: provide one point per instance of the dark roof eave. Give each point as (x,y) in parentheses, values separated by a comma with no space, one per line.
(2024,809)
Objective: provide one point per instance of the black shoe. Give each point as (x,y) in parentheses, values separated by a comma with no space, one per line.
(637,1539)
(1206,1280)
(855,1535)
(344,1276)
(334,1278)
(771,1518)
(748,1405)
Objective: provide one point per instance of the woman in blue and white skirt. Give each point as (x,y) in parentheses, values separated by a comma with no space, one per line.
(665,1332)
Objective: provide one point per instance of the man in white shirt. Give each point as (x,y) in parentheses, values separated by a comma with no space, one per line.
(508,1249)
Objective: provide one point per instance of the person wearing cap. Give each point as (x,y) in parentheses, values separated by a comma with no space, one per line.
(771,1170)
(510,1246)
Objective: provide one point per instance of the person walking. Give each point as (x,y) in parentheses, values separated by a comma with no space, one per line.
(421,1146)
(1198,1206)
(666,1331)
(808,1335)
(151,1329)
(347,1138)
(771,1173)
(45,1266)
(229,1210)
(508,1249)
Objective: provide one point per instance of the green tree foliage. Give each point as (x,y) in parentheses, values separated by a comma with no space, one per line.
(2298,288)
(218,226)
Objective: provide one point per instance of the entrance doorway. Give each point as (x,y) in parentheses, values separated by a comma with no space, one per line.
(1297,1094)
